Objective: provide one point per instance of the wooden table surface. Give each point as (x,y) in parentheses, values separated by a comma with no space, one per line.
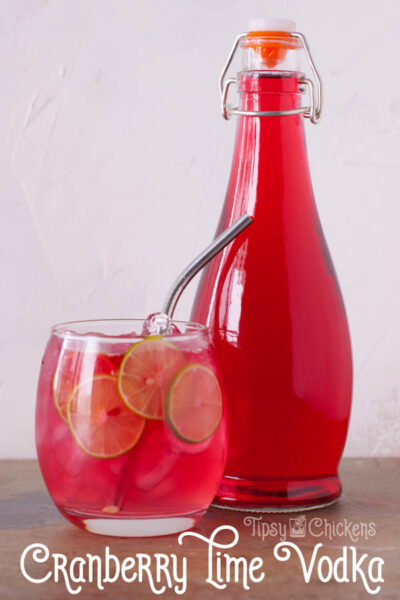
(371,495)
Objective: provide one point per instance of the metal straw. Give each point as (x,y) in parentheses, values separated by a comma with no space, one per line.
(173,296)
(200,261)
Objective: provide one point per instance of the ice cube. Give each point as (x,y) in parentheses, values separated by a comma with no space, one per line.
(156,324)
(155,457)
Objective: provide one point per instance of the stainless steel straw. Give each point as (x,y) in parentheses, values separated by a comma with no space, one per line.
(175,292)
(200,261)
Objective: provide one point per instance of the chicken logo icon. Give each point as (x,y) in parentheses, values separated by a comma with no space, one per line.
(298,526)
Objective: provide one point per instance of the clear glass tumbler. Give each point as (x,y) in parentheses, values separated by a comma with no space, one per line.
(130,427)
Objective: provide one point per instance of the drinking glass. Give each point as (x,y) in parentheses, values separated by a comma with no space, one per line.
(130,427)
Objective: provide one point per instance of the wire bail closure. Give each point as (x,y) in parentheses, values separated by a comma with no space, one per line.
(312,112)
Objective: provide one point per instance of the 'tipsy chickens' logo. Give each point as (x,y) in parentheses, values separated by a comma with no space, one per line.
(298,526)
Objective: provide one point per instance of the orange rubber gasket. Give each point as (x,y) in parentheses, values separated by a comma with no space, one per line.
(271,46)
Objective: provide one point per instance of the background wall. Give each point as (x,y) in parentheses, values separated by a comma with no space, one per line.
(114,161)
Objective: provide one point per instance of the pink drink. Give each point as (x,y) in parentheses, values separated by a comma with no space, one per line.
(166,481)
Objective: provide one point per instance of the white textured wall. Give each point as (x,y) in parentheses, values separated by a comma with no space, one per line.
(114,161)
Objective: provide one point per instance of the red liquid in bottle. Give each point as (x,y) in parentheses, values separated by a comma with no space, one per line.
(277,318)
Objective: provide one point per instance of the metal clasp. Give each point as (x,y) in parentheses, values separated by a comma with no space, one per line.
(312,112)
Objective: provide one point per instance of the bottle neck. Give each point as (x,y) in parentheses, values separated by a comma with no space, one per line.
(269,90)
(270,160)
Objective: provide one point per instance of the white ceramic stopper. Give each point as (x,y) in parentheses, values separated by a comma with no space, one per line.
(272,25)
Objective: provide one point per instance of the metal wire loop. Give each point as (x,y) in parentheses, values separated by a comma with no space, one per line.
(312,112)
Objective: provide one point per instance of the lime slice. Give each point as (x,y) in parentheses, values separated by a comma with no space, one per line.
(100,422)
(72,367)
(145,373)
(194,403)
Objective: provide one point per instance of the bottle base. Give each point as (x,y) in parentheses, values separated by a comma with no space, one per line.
(277,495)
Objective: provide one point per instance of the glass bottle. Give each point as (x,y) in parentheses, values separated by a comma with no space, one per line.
(272,299)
